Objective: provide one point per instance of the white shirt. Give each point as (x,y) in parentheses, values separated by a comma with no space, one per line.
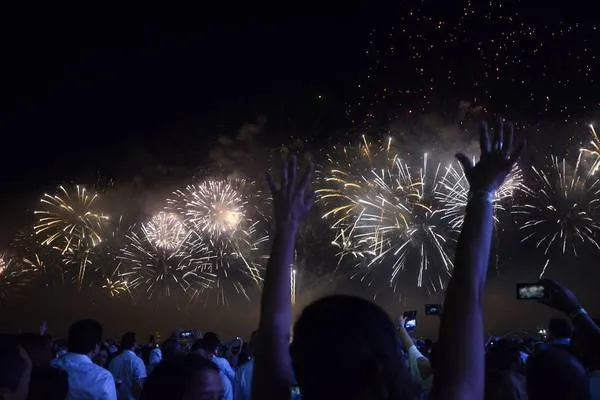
(127,368)
(227,386)
(87,381)
(243,381)
(155,359)
(225,367)
(413,355)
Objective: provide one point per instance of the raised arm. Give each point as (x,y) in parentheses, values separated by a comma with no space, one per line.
(562,299)
(460,374)
(272,378)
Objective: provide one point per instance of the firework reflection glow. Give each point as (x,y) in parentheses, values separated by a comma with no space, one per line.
(559,214)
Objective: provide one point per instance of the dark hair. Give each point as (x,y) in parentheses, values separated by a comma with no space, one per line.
(38,348)
(559,328)
(84,336)
(128,341)
(12,364)
(169,380)
(151,339)
(555,373)
(505,355)
(347,347)
(48,383)
(170,348)
(205,344)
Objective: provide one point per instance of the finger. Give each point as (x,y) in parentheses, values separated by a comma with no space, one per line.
(484,138)
(292,171)
(306,178)
(498,136)
(272,187)
(509,138)
(517,153)
(465,162)
(309,200)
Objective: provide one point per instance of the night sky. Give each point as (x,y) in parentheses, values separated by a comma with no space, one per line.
(142,99)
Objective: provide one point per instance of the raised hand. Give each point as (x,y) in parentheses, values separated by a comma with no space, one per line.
(497,159)
(292,200)
(559,297)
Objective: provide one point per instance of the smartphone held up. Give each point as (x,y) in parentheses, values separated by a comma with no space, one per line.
(410,320)
(433,309)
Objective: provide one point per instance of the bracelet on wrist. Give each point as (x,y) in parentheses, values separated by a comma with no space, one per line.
(484,195)
(578,312)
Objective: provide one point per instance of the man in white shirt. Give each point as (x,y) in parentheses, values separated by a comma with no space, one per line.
(87,381)
(128,369)
(243,376)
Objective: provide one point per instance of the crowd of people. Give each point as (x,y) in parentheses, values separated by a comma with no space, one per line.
(341,347)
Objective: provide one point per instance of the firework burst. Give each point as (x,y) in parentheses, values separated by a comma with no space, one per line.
(346,190)
(165,230)
(593,151)
(560,209)
(13,275)
(225,223)
(156,271)
(69,219)
(453,193)
(385,215)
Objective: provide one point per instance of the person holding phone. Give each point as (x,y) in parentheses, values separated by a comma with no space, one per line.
(418,364)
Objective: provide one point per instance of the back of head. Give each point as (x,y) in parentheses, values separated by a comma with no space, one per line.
(85,336)
(128,341)
(346,347)
(504,356)
(170,348)
(48,383)
(559,328)
(504,385)
(38,348)
(171,378)
(12,364)
(555,373)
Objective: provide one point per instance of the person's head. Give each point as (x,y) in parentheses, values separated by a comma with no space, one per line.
(85,337)
(48,383)
(101,358)
(205,348)
(555,373)
(170,348)
(504,385)
(504,356)
(559,328)
(15,369)
(182,378)
(152,340)
(38,348)
(346,347)
(212,340)
(128,341)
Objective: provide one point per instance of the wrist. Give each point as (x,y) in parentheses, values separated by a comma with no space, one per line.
(287,228)
(481,195)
